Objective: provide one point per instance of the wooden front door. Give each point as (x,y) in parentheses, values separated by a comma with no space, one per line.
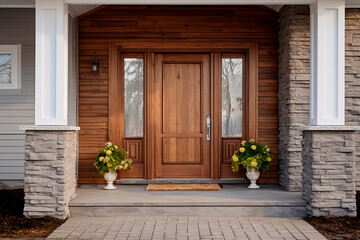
(181,107)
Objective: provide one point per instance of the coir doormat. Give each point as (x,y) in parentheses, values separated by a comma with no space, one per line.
(183,187)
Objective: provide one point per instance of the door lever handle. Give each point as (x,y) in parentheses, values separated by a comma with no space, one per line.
(208,127)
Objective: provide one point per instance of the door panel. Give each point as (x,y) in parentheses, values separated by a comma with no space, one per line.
(182,99)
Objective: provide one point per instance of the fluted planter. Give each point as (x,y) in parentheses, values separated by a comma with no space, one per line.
(252,174)
(110,178)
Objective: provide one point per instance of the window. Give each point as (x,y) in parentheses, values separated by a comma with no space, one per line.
(133,96)
(10,66)
(232,96)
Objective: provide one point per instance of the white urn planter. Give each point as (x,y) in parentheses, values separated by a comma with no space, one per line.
(252,174)
(110,178)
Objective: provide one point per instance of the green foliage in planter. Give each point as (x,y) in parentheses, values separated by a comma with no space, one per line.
(251,154)
(112,159)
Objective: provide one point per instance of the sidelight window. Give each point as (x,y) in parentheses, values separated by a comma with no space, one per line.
(133,97)
(232,96)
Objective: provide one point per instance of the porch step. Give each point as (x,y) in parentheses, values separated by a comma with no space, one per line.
(141,181)
(232,200)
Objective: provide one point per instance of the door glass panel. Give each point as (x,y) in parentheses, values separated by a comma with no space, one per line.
(232,79)
(134,101)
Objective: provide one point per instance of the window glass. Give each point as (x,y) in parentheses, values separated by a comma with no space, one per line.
(5,68)
(133,94)
(232,80)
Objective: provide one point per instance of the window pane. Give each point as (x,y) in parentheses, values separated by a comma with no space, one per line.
(232,76)
(5,68)
(133,82)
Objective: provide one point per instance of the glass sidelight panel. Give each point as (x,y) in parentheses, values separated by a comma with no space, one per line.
(232,96)
(134,97)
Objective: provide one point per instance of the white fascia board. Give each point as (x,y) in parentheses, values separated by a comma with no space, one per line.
(193,2)
(31,3)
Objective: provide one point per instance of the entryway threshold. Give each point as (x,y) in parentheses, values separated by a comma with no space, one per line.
(142,181)
(232,200)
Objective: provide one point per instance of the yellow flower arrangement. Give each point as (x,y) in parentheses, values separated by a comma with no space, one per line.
(251,154)
(112,159)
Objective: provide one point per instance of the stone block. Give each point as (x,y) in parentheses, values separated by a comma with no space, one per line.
(42,156)
(323,188)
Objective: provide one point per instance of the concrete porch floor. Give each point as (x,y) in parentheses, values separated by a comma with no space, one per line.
(232,200)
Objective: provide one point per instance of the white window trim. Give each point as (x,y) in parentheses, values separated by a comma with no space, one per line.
(15,51)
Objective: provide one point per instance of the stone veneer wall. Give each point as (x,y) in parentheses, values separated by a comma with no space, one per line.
(294,91)
(329,173)
(352,73)
(50,173)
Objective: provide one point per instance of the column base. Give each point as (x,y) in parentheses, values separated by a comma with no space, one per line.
(329,171)
(50,171)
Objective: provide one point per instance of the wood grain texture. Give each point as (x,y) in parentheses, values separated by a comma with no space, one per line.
(182,101)
(180,28)
(134,147)
(230,145)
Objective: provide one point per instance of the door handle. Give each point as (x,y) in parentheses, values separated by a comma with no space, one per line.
(208,127)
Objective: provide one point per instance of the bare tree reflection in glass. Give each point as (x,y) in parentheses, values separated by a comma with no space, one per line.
(133,109)
(5,68)
(232,97)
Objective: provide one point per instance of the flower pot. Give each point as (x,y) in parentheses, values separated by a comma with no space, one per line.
(252,174)
(110,178)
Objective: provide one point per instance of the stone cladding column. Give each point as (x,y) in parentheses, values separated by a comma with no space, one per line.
(329,170)
(50,170)
(294,91)
(352,78)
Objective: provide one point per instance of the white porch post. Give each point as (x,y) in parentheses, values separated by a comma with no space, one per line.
(327,102)
(51,63)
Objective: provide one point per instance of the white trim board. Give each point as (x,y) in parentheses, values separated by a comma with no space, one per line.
(31,3)
(191,2)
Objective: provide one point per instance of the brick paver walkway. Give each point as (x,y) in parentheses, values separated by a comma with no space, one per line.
(187,228)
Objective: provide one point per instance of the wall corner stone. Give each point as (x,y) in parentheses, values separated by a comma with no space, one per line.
(294,91)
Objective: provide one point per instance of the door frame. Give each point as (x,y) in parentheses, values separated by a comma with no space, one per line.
(149,48)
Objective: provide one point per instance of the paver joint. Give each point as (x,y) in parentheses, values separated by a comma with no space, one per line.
(187,228)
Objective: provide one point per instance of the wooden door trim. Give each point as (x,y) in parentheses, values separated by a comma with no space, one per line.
(215,48)
(149,123)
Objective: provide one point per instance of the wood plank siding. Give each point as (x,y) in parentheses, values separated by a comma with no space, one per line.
(164,24)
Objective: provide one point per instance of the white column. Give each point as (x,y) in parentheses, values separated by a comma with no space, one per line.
(51,63)
(327,101)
